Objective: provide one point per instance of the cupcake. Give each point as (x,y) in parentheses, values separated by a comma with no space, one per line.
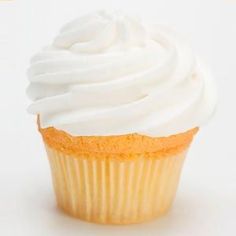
(118,103)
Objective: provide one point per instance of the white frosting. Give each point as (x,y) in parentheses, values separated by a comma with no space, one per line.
(109,74)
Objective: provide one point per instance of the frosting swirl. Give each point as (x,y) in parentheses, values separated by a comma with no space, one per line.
(110,74)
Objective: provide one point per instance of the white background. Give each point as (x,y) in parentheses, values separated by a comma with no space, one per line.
(206,200)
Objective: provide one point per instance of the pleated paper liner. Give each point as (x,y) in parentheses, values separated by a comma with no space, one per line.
(110,191)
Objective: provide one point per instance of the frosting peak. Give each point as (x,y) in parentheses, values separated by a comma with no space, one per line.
(102,31)
(110,74)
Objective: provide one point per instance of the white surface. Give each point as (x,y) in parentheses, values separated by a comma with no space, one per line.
(206,200)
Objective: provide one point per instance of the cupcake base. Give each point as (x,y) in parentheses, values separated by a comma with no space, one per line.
(115,191)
